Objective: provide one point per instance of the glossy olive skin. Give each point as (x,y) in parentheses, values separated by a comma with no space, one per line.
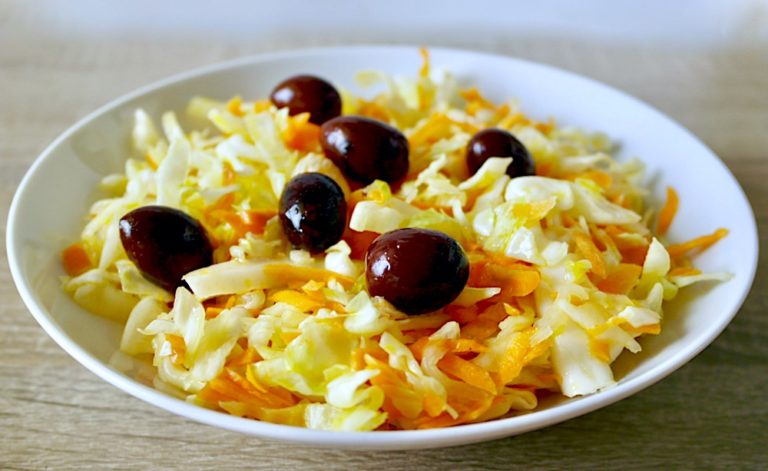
(499,143)
(365,149)
(313,212)
(417,270)
(308,94)
(165,244)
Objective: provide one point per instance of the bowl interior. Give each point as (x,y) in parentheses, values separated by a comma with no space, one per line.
(52,201)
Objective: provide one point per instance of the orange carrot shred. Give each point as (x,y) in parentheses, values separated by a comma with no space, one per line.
(152,164)
(228,175)
(462,315)
(261,106)
(233,106)
(620,279)
(246,357)
(76,260)
(178,347)
(514,279)
(424,70)
(487,324)
(698,244)
(587,247)
(301,134)
(373,110)
(513,362)
(469,346)
(684,271)
(603,179)
(468,372)
(600,350)
(667,213)
(417,347)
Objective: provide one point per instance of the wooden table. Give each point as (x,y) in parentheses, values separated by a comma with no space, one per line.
(713,413)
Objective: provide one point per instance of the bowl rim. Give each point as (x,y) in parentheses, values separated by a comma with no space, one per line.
(399,439)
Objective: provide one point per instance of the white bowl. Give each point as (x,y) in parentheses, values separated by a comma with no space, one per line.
(48,210)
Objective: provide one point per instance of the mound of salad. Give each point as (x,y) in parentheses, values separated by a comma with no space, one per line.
(424,258)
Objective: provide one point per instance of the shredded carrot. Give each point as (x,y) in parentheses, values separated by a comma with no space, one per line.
(213,311)
(246,357)
(684,271)
(152,164)
(297,275)
(242,221)
(513,119)
(469,401)
(301,134)
(545,128)
(425,321)
(603,179)
(224,202)
(424,70)
(211,396)
(178,347)
(620,279)
(433,404)
(458,346)
(476,99)
(76,260)
(357,359)
(261,106)
(468,346)
(514,360)
(437,126)
(417,347)
(698,244)
(601,350)
(228,175)
(468,372)
(373,110)
(514,279)
(299,300)
(586,246)
(375,352)
(232,386)
(400,400)
(652,329)
(667,213)
(461,314)
(487,323)
(234,106)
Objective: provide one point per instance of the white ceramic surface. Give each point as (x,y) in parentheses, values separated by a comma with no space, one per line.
(48,210)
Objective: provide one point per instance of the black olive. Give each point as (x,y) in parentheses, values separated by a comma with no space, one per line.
(365,149)
(308,94)
(165,244)
(499,143)
(313,211)
(417,270)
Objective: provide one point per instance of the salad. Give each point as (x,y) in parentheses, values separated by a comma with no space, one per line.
(423,258)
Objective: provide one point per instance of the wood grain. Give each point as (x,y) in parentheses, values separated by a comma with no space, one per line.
(713,413)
